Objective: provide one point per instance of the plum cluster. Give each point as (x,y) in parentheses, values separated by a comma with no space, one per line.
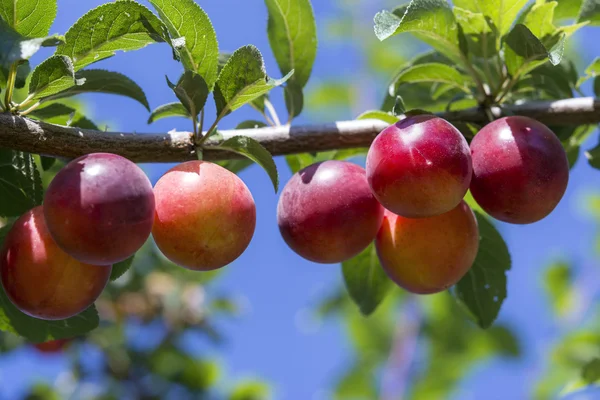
(409,199)
(100,209)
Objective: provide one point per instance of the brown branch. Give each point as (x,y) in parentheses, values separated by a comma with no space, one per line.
(20,133)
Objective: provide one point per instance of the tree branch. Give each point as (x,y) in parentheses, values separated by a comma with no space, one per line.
(20,133)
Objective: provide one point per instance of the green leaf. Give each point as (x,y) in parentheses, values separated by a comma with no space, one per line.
(296,162)
(522,50)
(120,268)
(15,47)
(84,123)
(250,391)
(434,72)
(380,115)
(250,124)
(250,148)
(567,9)
(52,76)
(102,81)
(293,37)
(592,71)
(192,92)
(558,284)
(591,371)
(540,19)
(366,280)
(168,110)
(359,382)
(223,58)
(20,183)
(483,289)
(123,25)
(52,110)
(590,12)
(294,100)
(194,39)
(502,12)
(47,162)
(235,166)
(597,86)
(29,18)
(480,38)
(399,106)
(593,157)
(242,80)
(431,21)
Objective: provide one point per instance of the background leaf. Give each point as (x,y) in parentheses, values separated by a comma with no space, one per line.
(380,115)
(434,72)
(522,50)
(590,11)
(120,268)
(242,80)
(15,47)
(483,289)
(293,37)
(253,150)
(168,110)
(501,12)
(192,91)
(122,25)
(20,183)
(593,157)
(194,39)
(37,330)
(102,81)
(431,21)
(30,18)
(52,110)
(366,280)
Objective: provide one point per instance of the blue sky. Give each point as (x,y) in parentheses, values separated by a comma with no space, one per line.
(276,339)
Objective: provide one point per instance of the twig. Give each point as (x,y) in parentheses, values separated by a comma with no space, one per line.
(22,133)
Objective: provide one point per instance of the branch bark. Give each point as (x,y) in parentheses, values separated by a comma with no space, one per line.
(21,133)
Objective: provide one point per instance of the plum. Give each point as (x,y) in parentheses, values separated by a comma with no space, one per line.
(42,280)
(100,208)
(327,212)
(520,170)
(428,255)
(205,215)
(419,166)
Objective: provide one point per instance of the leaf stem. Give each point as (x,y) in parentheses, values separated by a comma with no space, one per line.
(26,102)
(32,108)
(265,116)
(200,129)
(476,78)
(10,84)
(272,112)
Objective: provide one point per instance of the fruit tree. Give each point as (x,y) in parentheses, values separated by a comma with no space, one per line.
(486,113)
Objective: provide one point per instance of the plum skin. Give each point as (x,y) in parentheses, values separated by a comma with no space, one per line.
(99,208)
(520,170)
(419,166)
(327,213)
(428,255)
(205,215)
(40,279)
